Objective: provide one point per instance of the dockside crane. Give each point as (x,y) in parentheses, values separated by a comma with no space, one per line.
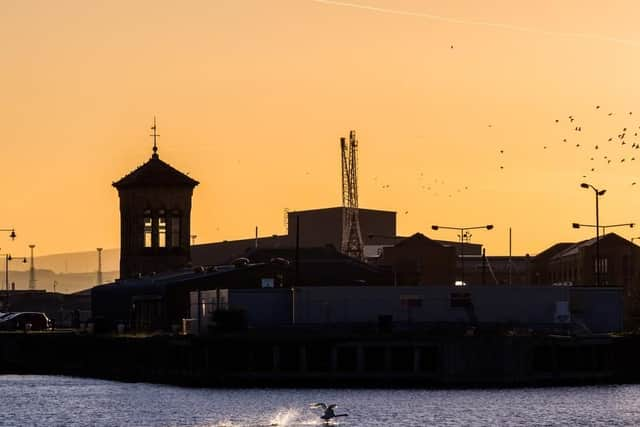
(351,235)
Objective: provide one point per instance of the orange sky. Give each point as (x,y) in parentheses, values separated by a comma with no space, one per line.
(253,95)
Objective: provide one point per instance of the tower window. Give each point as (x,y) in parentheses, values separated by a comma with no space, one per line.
(175,231)
(162,230)
(148,228)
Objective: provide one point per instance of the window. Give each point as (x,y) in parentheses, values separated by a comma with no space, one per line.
(603,265)
(147,229)
(175,231)
(162,230)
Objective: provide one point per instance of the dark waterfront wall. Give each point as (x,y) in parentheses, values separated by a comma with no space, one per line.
(537,308)
(320,359)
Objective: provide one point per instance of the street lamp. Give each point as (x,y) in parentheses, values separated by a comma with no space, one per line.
(604,227)
(463,235)
(598,193)
(604,231)
(7,258)
(12,234)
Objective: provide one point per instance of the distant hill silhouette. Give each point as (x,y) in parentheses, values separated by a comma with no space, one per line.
(65,282)
(73,271)
(72,262)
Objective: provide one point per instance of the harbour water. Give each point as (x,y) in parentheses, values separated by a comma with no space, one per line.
(67,401)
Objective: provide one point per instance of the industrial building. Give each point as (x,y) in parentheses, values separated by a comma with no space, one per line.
(340,265)
(535,308)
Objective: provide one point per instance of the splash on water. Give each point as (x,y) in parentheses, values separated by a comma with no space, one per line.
(294,417)
(284,417)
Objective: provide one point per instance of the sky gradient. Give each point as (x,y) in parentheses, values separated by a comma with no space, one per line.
(251,97)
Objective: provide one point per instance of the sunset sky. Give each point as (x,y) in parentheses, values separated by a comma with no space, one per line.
(251,97)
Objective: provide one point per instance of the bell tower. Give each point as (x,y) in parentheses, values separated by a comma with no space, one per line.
(155,217)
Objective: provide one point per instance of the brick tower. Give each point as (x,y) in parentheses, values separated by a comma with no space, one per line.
(155,216)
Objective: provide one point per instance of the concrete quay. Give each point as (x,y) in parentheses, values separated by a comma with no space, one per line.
(327,359)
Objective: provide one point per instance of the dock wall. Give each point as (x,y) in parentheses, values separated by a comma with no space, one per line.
(326,361)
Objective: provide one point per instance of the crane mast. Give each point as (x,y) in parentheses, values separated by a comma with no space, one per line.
(351,235)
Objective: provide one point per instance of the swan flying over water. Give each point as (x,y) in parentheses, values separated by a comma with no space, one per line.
(328,411)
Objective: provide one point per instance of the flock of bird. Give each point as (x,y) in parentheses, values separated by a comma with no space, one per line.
(598,152)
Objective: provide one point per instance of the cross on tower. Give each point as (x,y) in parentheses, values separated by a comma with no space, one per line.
(155,136)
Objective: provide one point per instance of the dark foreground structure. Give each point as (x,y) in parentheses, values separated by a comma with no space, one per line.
(320,358)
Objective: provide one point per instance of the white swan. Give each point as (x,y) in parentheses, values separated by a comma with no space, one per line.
(328,411)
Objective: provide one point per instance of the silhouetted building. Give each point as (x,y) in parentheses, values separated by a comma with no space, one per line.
(322,266)
(419,261)
(575,264)
(58,307)
(162,300)
(541,274)
(498,270)
(155,212)
(490,307)
(228,250)
(320,228)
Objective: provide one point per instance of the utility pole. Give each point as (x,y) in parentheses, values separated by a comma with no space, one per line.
(99,275)
(32,271)
(510,265)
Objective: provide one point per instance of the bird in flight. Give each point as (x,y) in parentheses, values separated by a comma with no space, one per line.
(328,411)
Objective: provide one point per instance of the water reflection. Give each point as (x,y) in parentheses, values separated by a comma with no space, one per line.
(58,401)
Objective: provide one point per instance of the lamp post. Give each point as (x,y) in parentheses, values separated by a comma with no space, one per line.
(463,235)
(12,235)
(604,231)
(598,193)
(604,227)
(7,258)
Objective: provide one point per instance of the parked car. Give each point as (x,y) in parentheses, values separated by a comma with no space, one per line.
(19,321)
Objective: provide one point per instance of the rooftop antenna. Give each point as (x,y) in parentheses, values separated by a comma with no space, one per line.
(155,136)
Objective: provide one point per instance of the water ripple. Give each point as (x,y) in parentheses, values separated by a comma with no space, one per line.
(64,401)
